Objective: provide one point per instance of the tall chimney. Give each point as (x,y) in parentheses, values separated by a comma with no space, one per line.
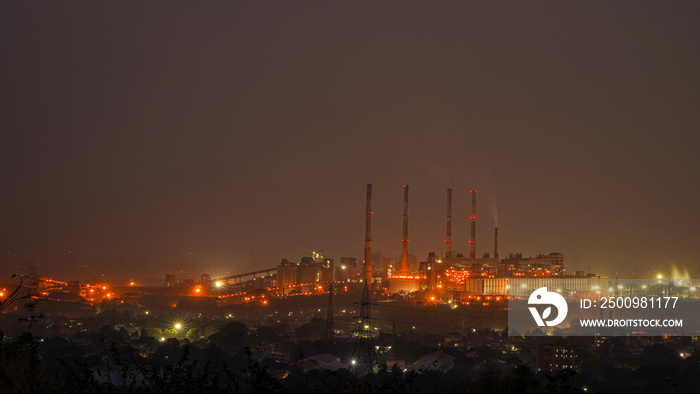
(448,237)
(404,249)
(368,237)
(472,240)
(495,242)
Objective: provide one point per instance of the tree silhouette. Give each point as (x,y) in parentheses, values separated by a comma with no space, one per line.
(12,296)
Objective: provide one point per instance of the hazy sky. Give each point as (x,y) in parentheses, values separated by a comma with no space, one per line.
(245,132)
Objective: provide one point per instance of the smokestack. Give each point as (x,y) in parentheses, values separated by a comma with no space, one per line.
(495,242)
(472,240)
(368,237)
(448,237)
(404,249)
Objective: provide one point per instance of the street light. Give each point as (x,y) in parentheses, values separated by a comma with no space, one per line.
(178,326)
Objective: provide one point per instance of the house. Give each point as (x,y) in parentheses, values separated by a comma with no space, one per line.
(436,361)
(321,361)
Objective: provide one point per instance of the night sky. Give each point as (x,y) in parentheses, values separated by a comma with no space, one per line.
(223,137)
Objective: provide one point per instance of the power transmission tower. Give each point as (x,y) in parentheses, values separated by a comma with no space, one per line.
(329,317)
(364,352)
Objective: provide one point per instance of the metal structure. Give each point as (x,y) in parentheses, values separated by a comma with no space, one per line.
(364,353)
(329,315)
(472,240)
(254,274)
(404,241)
(368,236)
(448,235)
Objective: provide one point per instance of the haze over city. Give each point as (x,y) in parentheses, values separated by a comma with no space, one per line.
(349,197)
(223,139)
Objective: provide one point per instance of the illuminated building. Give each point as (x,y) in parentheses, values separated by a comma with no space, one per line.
(286,273)
(406,283)
(556,357)
(523,286)
(517,265)
(306,273)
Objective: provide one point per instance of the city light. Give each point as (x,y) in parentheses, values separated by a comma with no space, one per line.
(124,145)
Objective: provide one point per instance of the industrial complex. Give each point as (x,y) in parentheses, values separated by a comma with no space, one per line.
(448,277)
(451,277)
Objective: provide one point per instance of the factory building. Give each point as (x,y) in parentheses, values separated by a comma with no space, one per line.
(523,286)
(461,274)
(312,269)
(543,264)
(488,274)
(455,272)
(286,273)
